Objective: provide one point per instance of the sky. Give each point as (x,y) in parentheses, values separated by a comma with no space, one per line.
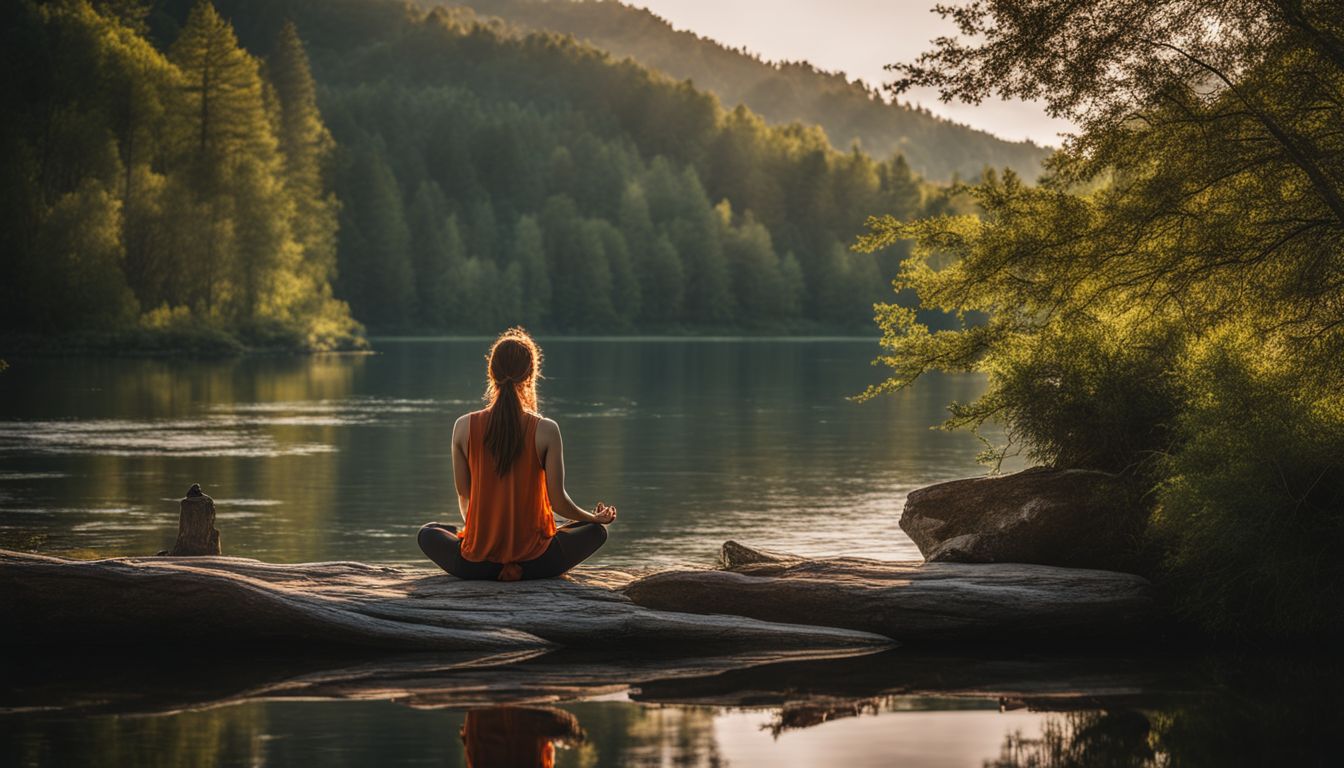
(857,37)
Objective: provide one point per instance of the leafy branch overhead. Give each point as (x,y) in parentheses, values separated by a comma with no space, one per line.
(1172,290)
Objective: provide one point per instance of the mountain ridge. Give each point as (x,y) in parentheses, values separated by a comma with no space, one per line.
(849,111)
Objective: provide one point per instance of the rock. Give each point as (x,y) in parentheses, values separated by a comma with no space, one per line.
(733,555)
(946,603)
(1072,518)
(239,602)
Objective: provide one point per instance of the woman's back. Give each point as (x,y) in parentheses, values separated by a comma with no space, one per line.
(508,516)
(509,471)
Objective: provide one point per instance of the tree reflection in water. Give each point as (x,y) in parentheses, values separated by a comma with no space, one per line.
(1100,739)
(518,737)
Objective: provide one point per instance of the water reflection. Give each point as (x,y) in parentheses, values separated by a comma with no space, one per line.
(1105,739)
(518,737)
(930,733)
(1008,711)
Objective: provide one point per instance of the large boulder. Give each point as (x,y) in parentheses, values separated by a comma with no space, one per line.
(913,602)
(1074,518)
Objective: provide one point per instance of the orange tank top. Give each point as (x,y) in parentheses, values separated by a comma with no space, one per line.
(509,518)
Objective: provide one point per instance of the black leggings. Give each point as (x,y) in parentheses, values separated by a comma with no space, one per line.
(571,545)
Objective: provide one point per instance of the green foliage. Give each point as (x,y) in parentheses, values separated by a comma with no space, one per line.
(489,128)
(1251,510)
(137,180)
(851,112)
(1081,395)
(1167,301)
(375,274)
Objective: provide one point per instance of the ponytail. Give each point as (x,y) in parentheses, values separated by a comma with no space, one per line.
(504,429)
(513,367)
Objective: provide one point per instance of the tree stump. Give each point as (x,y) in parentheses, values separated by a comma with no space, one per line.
(196,532)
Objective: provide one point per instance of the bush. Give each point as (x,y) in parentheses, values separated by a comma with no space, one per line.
(1251,514)
(171,330)
(1085,396)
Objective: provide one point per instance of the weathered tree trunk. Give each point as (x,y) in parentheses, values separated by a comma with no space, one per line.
(912,602)
(294,608)
(196,532)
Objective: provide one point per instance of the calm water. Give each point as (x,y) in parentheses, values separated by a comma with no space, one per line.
(696,441)
(346,456)
(613,733)
(884,710)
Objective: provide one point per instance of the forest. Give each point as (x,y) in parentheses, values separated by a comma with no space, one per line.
(1168,303)
(176,179)
(850,111)
(171,196)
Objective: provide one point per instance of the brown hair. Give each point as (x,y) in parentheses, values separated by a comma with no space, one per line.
(512,370)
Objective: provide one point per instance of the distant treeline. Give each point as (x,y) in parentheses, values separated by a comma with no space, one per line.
(163,176)
(849,111)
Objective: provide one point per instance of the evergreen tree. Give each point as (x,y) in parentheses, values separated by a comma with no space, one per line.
(224,103)
(231,146)
(529,255)
(660,271)
(626,293)
(435,251)
(306,146)
(375,271)
(581,275)
(758,283)
(483,230)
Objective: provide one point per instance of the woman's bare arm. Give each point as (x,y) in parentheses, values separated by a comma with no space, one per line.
(551,451)
(461,469)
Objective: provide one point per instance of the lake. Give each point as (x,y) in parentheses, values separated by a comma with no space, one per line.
(696,441)
(336,457)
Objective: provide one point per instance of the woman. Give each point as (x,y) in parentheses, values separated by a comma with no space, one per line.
(509,469)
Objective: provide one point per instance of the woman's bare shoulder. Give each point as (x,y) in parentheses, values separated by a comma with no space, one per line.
(462,427)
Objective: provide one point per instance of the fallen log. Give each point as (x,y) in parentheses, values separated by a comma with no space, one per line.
(235,601)
(912,602)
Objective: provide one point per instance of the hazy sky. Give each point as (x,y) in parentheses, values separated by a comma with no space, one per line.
(857,37)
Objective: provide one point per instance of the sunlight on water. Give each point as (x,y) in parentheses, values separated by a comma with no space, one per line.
(697,441)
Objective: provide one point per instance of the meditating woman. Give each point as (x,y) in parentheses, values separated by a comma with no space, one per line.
(509,469)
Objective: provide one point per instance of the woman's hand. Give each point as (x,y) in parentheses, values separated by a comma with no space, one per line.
(604,514)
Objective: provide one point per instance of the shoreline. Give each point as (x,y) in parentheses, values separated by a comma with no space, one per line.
(151,348)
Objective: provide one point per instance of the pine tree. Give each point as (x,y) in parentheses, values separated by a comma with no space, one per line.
(306,146)
(529,255)
(375,270)
(224,95)
(225,111)
(626,294)
(434,253)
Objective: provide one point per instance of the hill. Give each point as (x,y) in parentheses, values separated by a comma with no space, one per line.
(781,92)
